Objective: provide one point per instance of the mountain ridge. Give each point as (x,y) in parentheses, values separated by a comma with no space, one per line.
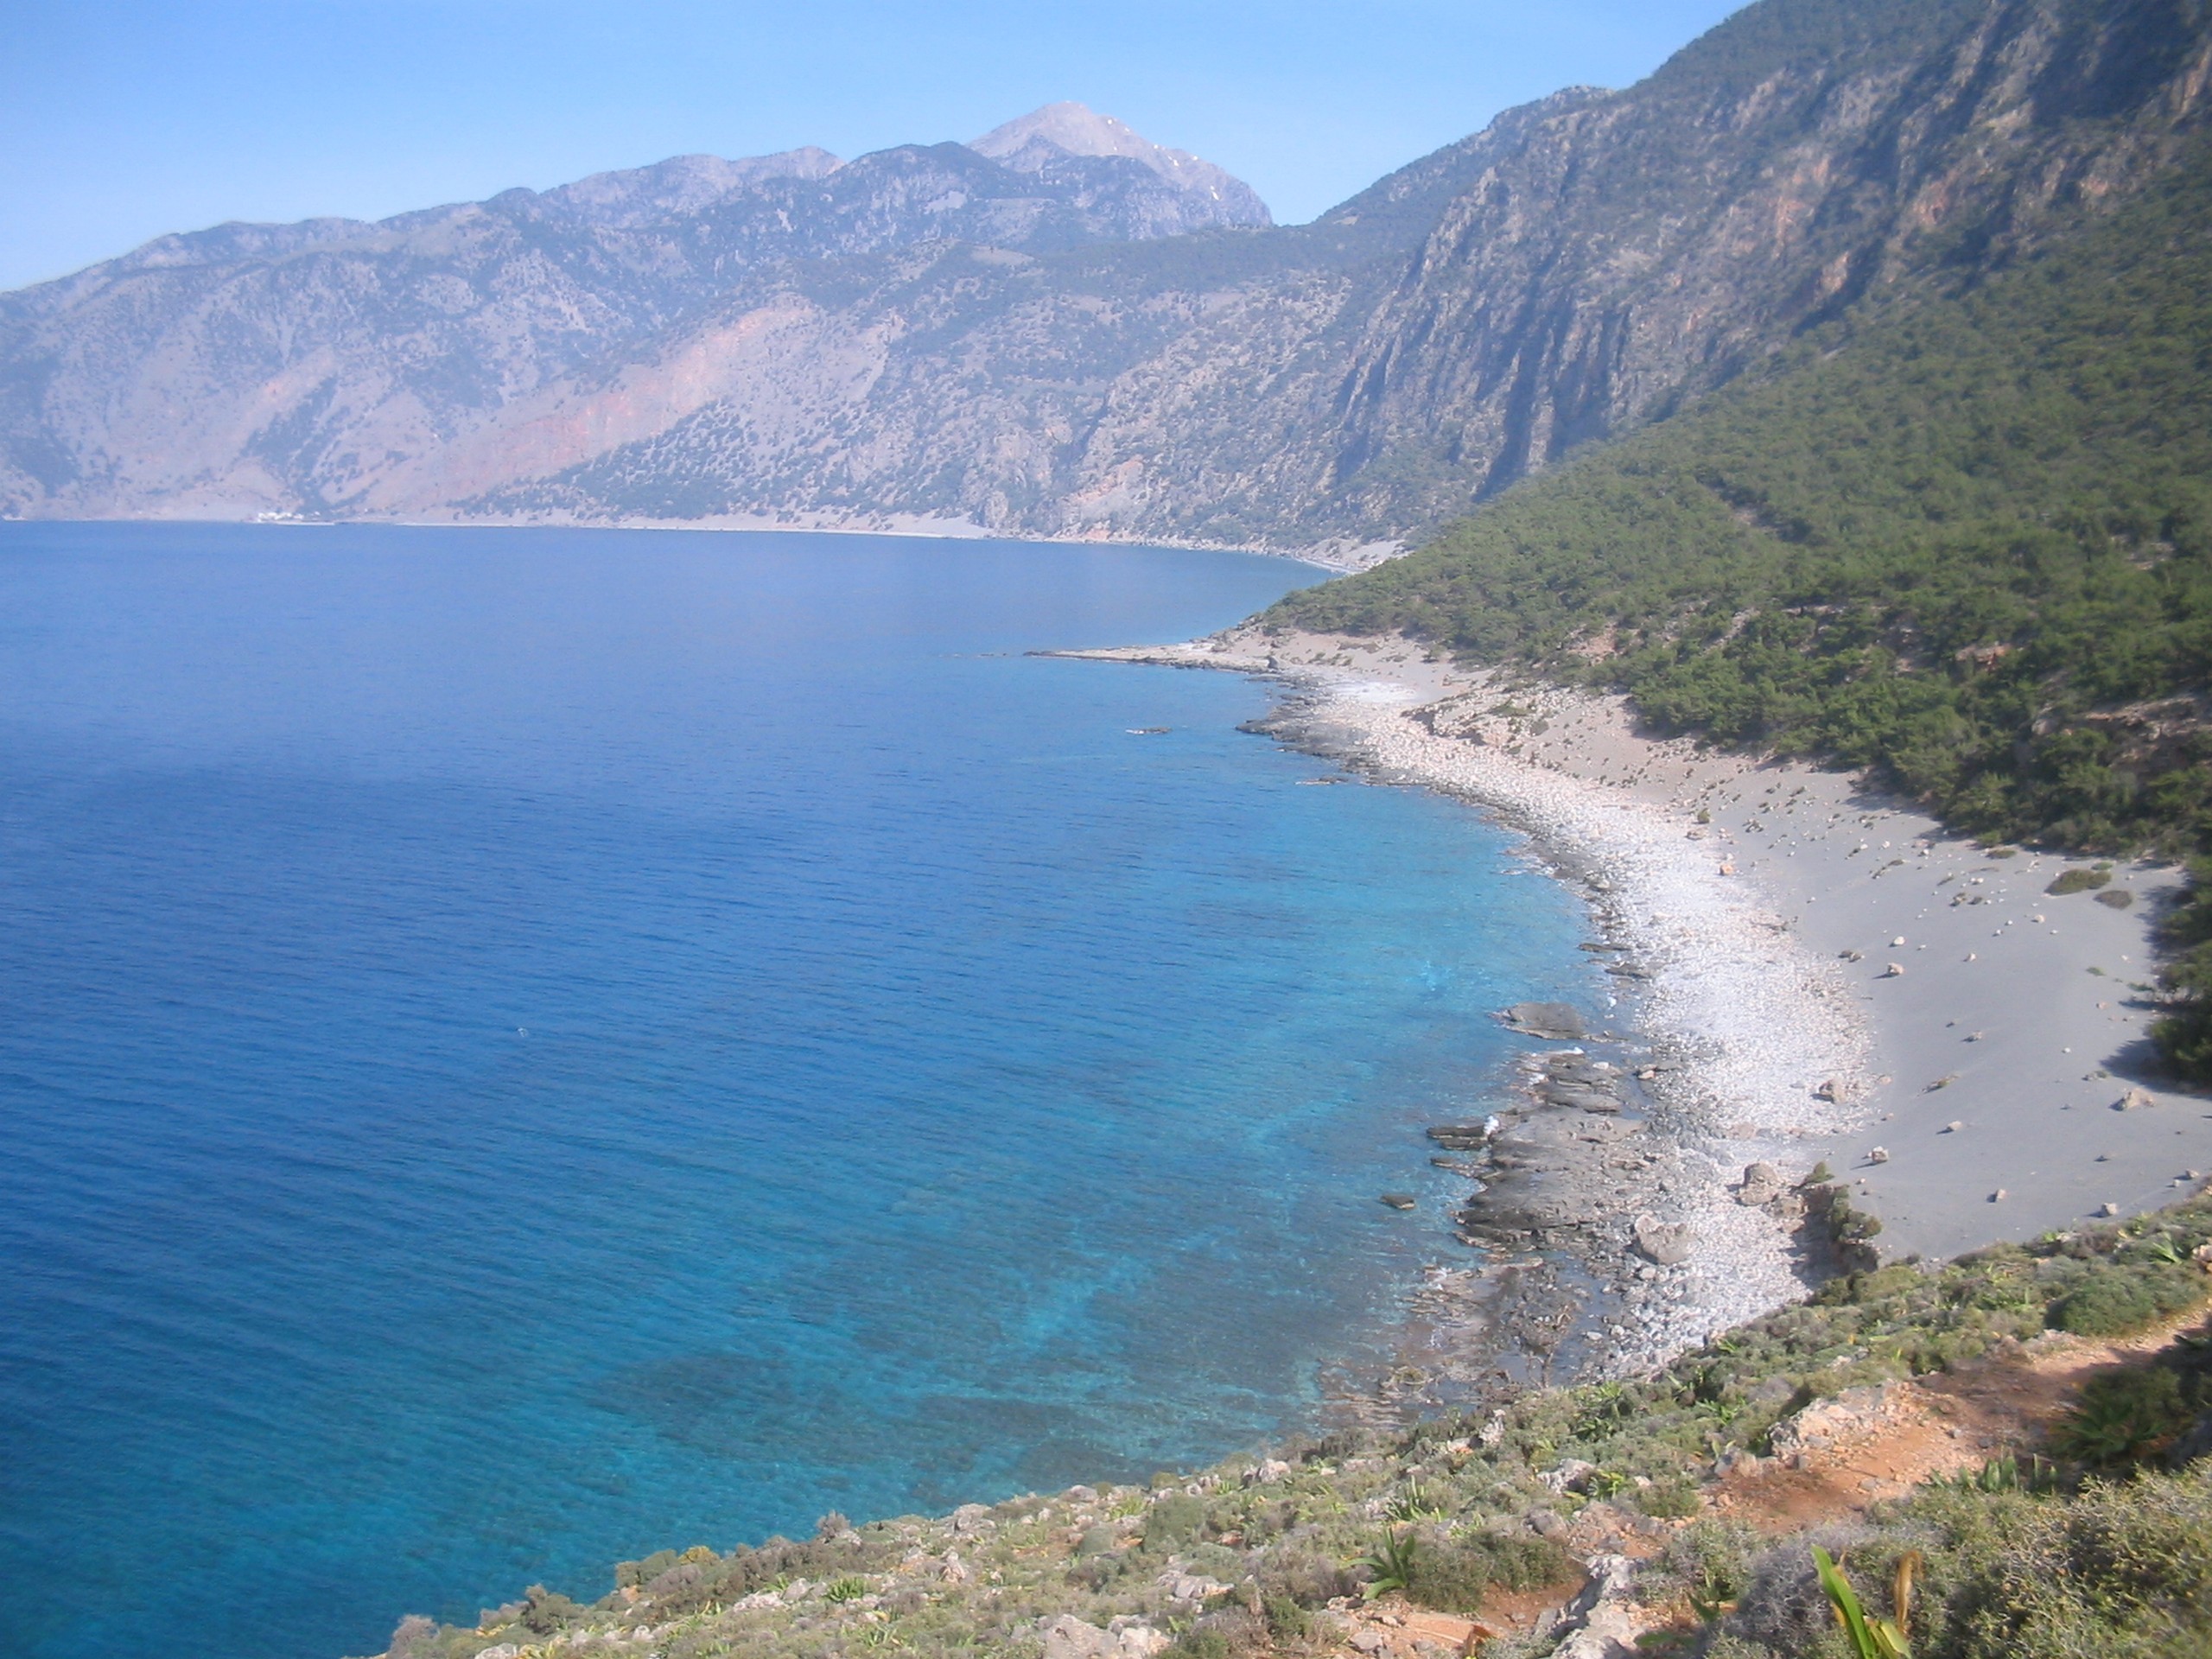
(1085,348)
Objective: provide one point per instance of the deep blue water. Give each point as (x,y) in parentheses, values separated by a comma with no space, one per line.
(518,1049)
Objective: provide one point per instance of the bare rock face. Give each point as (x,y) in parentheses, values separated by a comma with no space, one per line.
(1064,328)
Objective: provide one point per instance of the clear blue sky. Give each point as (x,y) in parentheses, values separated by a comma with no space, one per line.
(125,120)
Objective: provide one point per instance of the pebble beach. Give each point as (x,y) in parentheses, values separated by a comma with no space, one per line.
(1810,972)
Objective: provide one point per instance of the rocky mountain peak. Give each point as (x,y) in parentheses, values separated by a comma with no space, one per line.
(682,184)
(1029,142)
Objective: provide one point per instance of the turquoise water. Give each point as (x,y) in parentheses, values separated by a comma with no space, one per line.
(519,1049)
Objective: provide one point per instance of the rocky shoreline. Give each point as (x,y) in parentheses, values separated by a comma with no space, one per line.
(1600,1196)
(1817,1001)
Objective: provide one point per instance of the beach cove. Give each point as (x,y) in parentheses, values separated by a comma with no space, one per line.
(1810,974)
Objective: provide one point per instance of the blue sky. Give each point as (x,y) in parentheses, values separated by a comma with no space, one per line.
(122,121)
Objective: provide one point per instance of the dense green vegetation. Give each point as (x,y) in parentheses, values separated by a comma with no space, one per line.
(2098,1552)
(2186,1033)
(1968,544)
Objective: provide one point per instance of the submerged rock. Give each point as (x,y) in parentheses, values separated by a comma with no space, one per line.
(1553,1021)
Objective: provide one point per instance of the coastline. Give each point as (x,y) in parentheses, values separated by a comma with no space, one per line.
(1340,555)
(1748,910)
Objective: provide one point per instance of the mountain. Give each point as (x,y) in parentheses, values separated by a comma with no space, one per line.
(310,367)
(1032,143)
(1066,330)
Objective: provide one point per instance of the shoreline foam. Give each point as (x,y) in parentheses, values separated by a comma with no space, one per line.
(1737,890)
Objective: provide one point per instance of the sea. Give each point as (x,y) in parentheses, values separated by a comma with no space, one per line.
(519,1048)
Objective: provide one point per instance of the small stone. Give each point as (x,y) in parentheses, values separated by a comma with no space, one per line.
(1878,1155)
(1953,1127)
(1830,1090)
(2133,1101)
(1998,1196)
(1897,941)
(2108,1209)
(1400,1200)
(1895,970)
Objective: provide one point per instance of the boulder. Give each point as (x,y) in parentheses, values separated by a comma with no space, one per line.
(1762,1184)
(1843,1420)
(1189,1587)
(1666,1244)
(1138,1639)
(1606,1619)
(971,1518)
(1573,1475)
(1554,1021)
(1069,1637)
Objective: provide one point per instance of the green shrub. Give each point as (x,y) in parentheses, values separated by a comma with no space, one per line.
(1173,1519)
(1202,1644)
(1711,1559)
(1673,1498)
(2118,1301)
(2078,881)
(1452,1574)
(1297,1573)
(2185,1034)
(2122,1417)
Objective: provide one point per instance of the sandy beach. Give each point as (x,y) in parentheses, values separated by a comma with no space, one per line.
(1817,973)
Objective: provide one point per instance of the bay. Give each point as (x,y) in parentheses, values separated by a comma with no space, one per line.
(521,1048)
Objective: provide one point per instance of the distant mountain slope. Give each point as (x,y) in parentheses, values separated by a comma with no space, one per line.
(256,367)
(1093,335)
(1968,544)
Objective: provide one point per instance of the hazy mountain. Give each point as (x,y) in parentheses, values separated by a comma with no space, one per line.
(1032,143)
(1064,328)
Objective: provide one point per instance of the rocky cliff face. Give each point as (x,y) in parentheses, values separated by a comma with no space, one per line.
(1064,330)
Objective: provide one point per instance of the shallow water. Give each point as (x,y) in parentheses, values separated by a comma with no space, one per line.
(518,1049)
